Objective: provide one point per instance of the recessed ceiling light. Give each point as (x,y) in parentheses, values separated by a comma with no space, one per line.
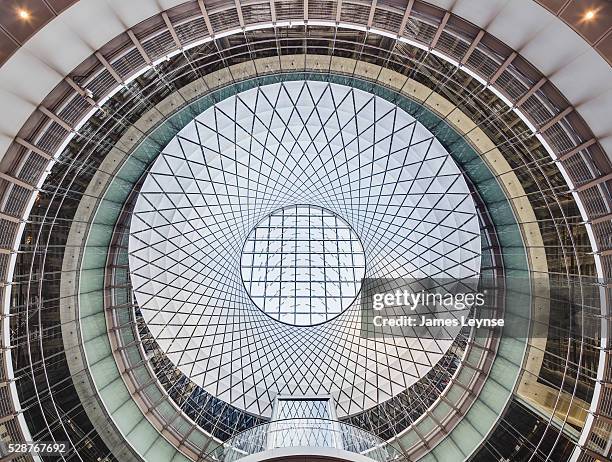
(589,15)
(23,14)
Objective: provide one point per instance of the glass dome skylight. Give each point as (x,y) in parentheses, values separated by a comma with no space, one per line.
(333,150)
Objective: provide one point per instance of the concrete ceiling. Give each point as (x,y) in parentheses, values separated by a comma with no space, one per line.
(67,36)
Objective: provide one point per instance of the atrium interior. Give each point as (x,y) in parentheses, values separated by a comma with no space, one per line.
(220,218)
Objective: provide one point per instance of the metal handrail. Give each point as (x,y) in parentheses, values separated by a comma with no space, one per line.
(305,433)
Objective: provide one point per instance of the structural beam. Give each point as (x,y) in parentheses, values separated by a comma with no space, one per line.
(473,46)
(372,11)
(601,219)
(585,145)
(76,87)
(10,218)
(17,181)
(594,182)
(555,119)
(211,32)
(55,118)
(33,148)
(273,11)
(441,27)
(402,27)
(502,68)
(530,92)
(172,31)
(239,11)
(109,68)
(139,47)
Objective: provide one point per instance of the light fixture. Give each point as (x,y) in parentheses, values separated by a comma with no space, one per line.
(23,14)
(589,15)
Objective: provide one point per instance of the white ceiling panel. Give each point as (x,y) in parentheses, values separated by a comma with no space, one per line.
(69,39)
(519,22)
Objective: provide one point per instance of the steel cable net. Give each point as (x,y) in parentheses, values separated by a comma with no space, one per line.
(302,265)
(271,147)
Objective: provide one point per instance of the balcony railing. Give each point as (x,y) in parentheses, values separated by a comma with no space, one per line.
(305,433)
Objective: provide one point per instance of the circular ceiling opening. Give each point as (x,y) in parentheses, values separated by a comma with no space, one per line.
(303,265)
(265,151)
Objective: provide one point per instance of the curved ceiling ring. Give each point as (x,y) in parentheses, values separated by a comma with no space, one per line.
(111,162)
(586,218)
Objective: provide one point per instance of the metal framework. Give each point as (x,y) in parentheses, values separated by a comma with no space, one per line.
(303,265)
(297,142)
(569,191)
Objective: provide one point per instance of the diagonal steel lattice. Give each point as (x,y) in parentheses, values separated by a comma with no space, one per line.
(273,147)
